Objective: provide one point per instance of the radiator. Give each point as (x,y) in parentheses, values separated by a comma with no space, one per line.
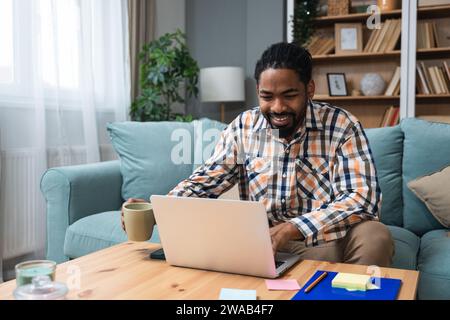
(22,204)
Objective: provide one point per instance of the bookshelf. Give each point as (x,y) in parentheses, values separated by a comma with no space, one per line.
(371,110)
(376,99)
(433,53)
(433,12)
(358,56)
(354,17)
(432,102)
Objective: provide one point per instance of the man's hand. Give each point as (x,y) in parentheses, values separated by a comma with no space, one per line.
(282,233)
(131,200)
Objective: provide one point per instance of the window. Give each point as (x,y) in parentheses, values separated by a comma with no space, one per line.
(6,41)
(47,44)
(60,47)
(62,52)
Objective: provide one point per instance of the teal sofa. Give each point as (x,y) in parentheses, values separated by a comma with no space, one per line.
(83,202)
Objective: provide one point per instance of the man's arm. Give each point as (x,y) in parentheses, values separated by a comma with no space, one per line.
(357,194)
(218,174)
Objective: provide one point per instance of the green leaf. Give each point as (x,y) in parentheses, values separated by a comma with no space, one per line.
(165,63)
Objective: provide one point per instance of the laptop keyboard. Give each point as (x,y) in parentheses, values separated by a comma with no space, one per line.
(278,263)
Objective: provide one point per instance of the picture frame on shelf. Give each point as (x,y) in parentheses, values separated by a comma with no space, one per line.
(337,85)
(348,37)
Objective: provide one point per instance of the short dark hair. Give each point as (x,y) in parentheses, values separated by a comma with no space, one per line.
(286,56)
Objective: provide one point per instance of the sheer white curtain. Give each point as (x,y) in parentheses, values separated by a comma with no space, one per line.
(64,73)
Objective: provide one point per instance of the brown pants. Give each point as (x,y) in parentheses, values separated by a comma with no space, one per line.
(368,243)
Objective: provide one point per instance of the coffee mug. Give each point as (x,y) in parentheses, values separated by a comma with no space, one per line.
(139,220)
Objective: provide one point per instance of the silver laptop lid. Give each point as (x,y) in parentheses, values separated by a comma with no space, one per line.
(215,234)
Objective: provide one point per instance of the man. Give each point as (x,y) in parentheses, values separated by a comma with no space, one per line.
(308,162)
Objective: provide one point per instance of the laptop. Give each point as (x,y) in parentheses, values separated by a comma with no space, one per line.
(218,234)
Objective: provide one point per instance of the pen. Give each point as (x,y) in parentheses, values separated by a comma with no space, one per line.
(312,285)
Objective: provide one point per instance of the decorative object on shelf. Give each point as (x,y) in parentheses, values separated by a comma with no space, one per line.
(166,70)
(337,85)
(222,84)
(338,7)
(372,84)
(348,37)
(356,93)
(388,5)
(302,21)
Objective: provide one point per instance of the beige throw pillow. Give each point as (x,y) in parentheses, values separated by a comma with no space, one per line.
(434,191)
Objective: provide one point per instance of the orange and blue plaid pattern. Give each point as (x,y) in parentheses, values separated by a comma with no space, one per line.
(323,180)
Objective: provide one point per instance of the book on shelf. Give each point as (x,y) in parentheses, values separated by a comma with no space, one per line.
(397,89)
(375,33)
(390,117)
(422,86)
(380,39)
(436,35)
(385,116)
(434,80)
(427,77)
(427,35)
(439,80)
(446,71)
(393,87)
(384,39)
(442,80)
(320,45)
(395,117)
(392,35)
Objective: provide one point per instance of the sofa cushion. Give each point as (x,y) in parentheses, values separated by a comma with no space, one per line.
(155,156)
(96,232)
(387,149)
(425,150)
(433,191)
(434,262)
(406,248)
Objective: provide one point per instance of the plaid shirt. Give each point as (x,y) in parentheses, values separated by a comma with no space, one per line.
(323,181)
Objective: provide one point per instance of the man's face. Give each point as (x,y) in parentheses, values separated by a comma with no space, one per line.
(283,99)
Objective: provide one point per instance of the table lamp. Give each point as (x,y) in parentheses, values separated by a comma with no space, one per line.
(222,84)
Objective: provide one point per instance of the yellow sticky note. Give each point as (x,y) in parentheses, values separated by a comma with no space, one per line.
(351,281)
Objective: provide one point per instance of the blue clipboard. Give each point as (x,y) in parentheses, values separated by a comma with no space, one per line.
(389,289)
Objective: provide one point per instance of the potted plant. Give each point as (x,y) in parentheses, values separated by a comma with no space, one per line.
(166,69)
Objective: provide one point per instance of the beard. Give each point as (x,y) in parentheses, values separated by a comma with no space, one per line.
(286,123)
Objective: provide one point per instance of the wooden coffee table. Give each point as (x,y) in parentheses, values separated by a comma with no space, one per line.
(125,271)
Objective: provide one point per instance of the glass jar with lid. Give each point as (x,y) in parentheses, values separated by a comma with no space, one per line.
(41,288)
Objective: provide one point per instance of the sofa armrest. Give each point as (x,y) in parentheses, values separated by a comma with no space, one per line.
(75,192)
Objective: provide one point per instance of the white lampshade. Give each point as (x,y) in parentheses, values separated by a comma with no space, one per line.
(222,84)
